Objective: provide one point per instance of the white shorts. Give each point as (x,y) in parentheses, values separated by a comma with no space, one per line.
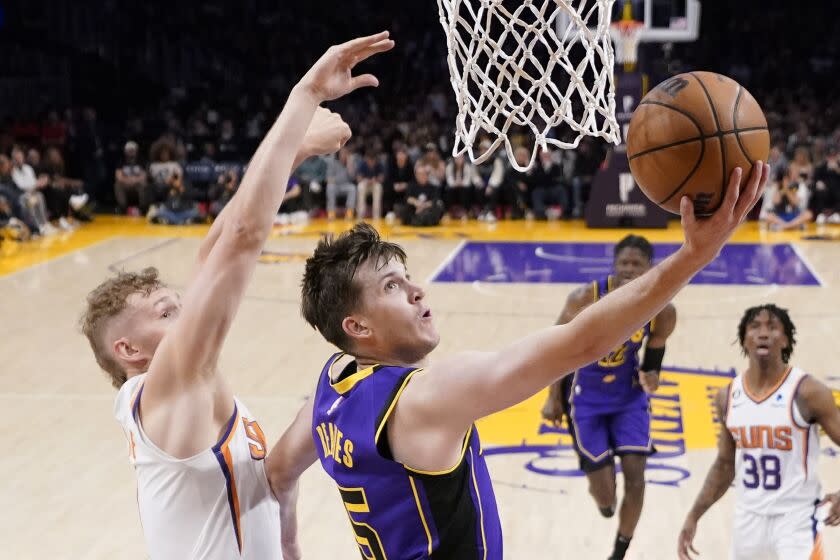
(789,536)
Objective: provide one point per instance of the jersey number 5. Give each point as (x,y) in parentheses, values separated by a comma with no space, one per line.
(370,545)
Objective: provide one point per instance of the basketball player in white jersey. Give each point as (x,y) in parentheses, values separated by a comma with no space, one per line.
(772,414)
(197,451)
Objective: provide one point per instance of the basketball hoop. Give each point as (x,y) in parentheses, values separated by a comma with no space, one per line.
(544,67)
(626,34)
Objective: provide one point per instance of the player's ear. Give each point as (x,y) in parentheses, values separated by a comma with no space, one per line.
(125,352)
(355,327)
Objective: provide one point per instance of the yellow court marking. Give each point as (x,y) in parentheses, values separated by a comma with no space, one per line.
(18,256)
(681,409)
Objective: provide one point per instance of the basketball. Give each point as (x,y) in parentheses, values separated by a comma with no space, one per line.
(689,133)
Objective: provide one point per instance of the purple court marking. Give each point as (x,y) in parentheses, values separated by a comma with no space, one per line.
(746,264)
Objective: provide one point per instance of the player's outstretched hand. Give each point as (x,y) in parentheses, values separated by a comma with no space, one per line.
(705,237)
(833,516)
(326,134)
(332,75)
(686,542)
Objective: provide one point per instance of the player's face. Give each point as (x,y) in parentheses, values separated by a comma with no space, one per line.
(765,337)
(396,321)
(150,316)
(630,263)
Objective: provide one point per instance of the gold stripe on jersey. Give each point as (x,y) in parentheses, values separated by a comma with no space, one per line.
(480,509)
(393,404)
(420,511)
(349,382)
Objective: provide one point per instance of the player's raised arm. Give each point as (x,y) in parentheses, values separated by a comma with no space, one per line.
(461,389)
(717,482)
(191,347)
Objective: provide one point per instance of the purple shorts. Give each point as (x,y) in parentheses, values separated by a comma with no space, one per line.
(601,432)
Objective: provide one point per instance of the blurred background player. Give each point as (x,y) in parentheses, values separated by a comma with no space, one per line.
(606,402)
(772,413)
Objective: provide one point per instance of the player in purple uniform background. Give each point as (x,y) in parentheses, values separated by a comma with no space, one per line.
(606,401)
(396,433)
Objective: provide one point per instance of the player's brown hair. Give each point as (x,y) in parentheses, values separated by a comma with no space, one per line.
(107,301)
(329,293)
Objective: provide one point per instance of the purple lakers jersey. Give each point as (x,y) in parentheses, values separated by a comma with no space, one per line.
(398,512)
(613,379)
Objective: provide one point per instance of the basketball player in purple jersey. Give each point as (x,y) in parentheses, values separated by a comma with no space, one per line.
(606,401)
(396,432)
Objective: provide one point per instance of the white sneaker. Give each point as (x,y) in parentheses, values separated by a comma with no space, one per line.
(48,229)
(821,219)
(834,218)
(390,217)
(282,219)
(78,201)
(491,217)
(65,225)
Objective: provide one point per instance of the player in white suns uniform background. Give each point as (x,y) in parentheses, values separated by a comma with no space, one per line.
(769,447)
(200,457)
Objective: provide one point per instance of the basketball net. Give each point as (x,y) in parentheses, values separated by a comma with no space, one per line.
(530,66)
(626,35)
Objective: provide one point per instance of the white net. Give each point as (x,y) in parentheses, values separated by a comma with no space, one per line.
(537,70)
(626,35)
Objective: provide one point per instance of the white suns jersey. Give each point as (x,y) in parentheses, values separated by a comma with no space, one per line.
(214,505)
(777,450)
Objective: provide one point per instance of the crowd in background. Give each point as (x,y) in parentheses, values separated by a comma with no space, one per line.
(176,152)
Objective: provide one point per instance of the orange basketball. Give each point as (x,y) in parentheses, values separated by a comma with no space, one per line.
(689,133)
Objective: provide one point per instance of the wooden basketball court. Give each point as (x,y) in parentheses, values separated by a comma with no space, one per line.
(69,491)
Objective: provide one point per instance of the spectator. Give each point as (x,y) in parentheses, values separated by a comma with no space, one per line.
(435,166)
(10,225)
(549,189)
(588,158)
(312,175)
(340,183)
(13,195)
(369,178)
(163,168)
(461,178)
(131,179)
(777,160)
(400,174)
(491,173)
(32,199)
(786,203)
(423,205)
(179,208)
(825,200)
(69,194)
(91,151)
(295,208)
(516,191)
(801,164)
(222,192)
